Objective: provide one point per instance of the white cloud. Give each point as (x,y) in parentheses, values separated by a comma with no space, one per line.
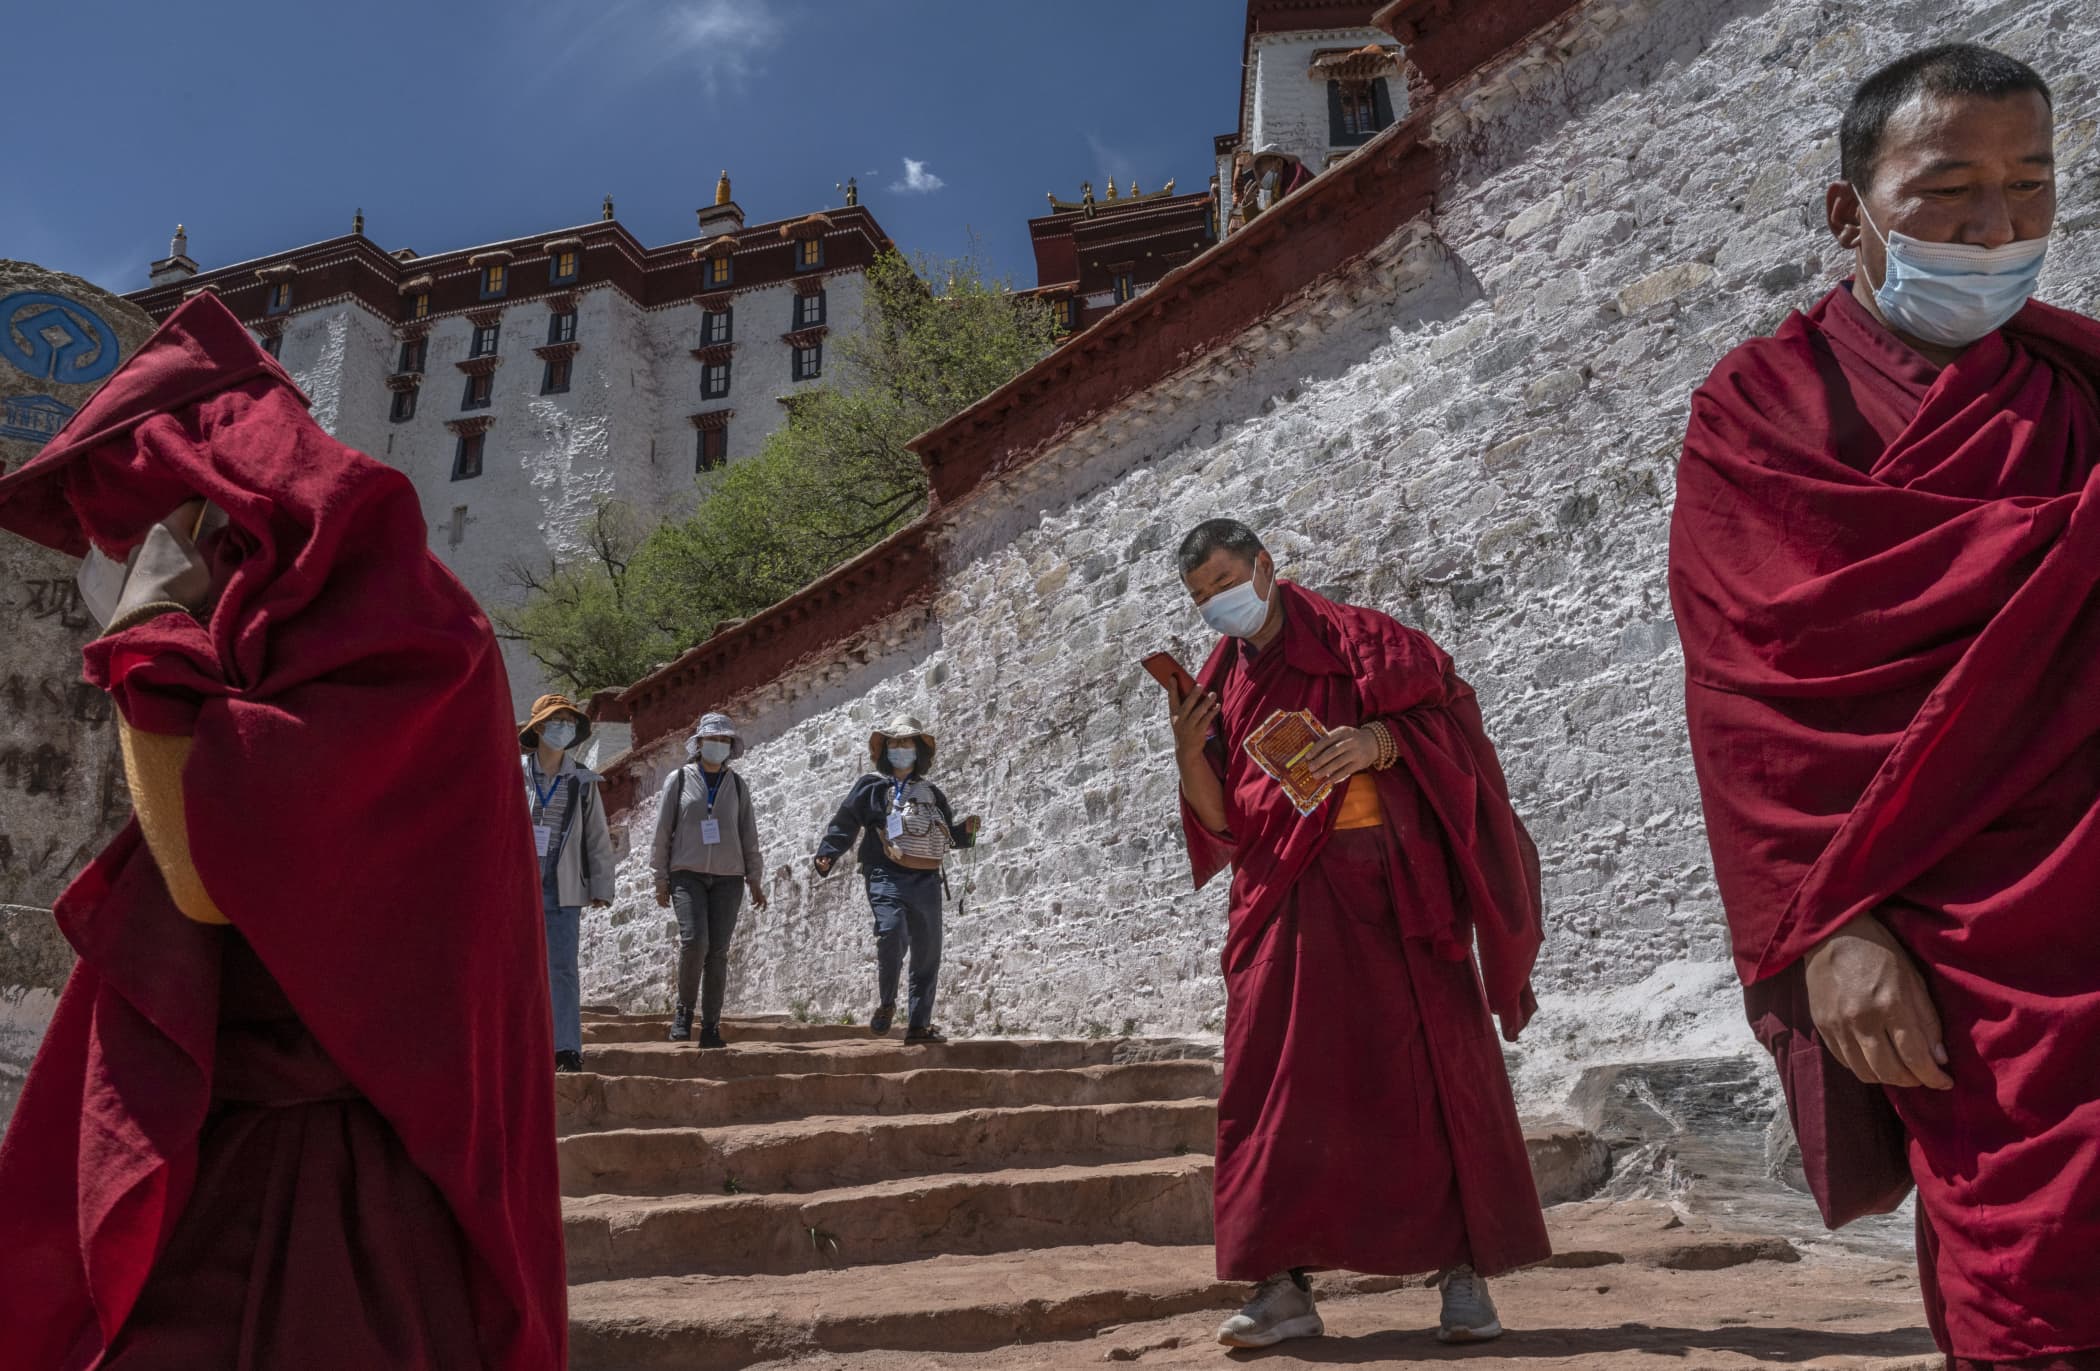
(724,37)
(723,41)
(917,180)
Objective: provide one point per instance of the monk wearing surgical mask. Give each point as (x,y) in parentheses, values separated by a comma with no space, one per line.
(1885,564)
(1365,1120)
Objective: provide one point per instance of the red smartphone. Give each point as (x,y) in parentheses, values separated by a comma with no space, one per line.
(1171,675)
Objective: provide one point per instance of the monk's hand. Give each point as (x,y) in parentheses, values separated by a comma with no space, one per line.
(663,894)
(1193,715)
(1343,753)
(168,569)
(1873,1008)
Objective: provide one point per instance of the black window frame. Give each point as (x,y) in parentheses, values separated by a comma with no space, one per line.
(816,320)
(273,343)
(561,327)
(809,361)
(802,246)
(719,270)
(703,460)
(419,305)
(415,354)
(404,407)
(493,333)
(485,382)
(714,380)
(555,275)
(1125,287)
(555,379)
(1338,133)
(709,318)
(469,456)
(279,298)
(491,287)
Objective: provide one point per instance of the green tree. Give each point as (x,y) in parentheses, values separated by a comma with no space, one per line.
(832,481)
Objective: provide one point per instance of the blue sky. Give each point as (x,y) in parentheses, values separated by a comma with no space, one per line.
(455,122)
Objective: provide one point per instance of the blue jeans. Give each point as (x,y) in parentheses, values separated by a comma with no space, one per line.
(907,907)
(564,985)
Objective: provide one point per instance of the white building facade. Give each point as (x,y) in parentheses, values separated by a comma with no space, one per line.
(523,383)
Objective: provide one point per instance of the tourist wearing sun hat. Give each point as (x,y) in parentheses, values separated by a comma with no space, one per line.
(706,855)
(574,845)
(904,826)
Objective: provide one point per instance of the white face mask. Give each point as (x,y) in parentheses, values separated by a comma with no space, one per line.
(1239,612)
(903,758)
(1952,294)
(558,734)
(714,751)
(101,580)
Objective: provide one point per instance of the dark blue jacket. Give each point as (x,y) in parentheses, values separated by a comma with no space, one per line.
(865,814)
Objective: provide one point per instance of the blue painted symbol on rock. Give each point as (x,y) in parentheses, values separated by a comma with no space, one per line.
(32,418)
(56,339)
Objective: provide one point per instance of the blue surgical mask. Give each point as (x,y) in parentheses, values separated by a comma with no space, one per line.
(1951,294)
(903,758)
(1237,613)
(715,752)
(558,734)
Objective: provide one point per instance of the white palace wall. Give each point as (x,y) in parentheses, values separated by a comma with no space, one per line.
(1475,430)
(621,431)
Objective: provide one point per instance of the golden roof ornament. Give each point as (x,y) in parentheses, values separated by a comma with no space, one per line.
(608,213)
(722,189)
(357,223)
(1111,187)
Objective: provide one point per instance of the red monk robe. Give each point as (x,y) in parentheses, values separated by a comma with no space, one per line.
(322,1137)
(1884,574)
(1366,1121)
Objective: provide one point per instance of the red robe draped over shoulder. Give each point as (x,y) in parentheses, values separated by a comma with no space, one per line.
(353,810)
(1366,1120)
(1884,576)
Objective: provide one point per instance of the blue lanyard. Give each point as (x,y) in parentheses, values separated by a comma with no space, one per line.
(546,795)
(713,782)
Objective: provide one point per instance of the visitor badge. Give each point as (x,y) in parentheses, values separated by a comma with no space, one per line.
(710,831)
(542,838)
(896,825)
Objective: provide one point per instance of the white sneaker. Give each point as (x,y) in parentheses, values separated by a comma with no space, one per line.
(1469,1312)
(1279,1310)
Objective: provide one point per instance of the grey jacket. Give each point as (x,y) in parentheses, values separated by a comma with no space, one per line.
(590,839)
(738,853)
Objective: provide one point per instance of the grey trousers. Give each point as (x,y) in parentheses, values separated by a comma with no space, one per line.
(706,907)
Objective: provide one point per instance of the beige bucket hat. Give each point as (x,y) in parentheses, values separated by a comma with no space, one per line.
(904,726)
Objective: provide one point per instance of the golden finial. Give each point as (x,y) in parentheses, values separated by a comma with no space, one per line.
(607,214)
(357,223)
(1111,187)
(852,190)
(722,189)
(1135,193)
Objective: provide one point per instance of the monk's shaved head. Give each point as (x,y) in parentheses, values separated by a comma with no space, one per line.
(1215,535)
(1952,69)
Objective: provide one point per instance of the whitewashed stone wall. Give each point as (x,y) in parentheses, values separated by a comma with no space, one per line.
(1475,431)
(621,430)
(1284,105)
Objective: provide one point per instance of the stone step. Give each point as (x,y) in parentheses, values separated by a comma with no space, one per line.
(947,1303)
(877,1056)
(1162,1201)
(821,1153)
(656,1028)
(587,1102)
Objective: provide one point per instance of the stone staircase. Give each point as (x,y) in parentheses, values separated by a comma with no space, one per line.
(816,1189)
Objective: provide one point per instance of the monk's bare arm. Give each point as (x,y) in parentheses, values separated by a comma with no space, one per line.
(1200,785)
(1873,1008)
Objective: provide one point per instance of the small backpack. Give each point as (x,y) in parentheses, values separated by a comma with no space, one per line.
(924,843)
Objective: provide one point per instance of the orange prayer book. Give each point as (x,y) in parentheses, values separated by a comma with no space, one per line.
(1280,747)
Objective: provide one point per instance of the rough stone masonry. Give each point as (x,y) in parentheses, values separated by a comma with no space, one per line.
(61,782)
(1483,445)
